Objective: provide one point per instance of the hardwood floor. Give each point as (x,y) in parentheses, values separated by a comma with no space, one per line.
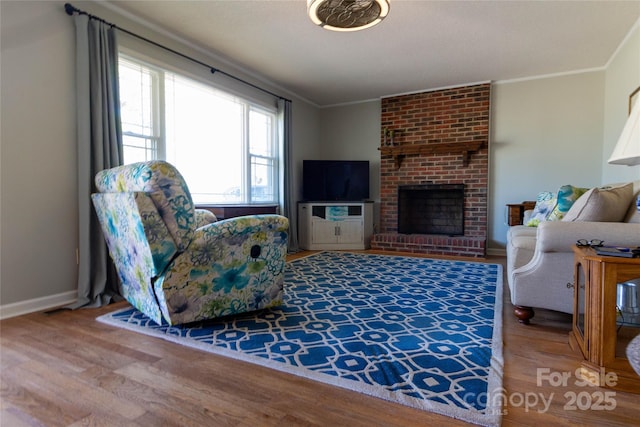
(66,369)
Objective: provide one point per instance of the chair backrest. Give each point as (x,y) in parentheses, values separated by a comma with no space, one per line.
(120,215)
(162,182)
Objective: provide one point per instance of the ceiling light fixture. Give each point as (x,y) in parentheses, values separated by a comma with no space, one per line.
(347,15)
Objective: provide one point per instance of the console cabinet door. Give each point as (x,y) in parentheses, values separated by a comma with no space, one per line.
(323,231)
(350,232)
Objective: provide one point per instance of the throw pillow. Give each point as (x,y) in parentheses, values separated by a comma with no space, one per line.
(604,204)
(545,203)
(567,195)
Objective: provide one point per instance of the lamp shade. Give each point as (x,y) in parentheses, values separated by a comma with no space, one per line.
(627,149)
(347,15)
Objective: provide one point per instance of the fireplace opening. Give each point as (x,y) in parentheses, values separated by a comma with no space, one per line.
(431,209)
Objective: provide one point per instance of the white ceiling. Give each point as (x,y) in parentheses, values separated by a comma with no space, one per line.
(421,45)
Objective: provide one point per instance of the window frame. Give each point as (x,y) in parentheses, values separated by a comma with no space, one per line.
(160,70)
(157,108)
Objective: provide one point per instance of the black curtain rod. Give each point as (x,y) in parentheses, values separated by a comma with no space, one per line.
(70,9)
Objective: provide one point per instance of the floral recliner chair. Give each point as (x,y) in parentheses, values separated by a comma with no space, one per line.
(177,263)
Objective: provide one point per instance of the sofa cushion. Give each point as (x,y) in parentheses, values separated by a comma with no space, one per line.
(603,204)
(567,196)
(520,230)
(545,202)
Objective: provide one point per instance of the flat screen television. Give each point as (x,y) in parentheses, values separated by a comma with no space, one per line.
(335,180)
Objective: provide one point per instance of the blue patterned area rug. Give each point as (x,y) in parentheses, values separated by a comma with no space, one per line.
(422,332)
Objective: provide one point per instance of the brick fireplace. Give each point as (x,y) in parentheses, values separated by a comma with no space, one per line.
(435,139)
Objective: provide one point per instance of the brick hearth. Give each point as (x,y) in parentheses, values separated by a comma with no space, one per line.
(459,116)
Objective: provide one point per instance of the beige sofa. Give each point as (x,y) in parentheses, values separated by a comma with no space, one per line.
(540,259)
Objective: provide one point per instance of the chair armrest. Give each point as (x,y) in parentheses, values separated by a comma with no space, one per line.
(204,217)
(245,225)
(560,236)
(231,266)
(230,242)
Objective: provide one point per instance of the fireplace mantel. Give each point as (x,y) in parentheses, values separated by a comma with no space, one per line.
(400,151)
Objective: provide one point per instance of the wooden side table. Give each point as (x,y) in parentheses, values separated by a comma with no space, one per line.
(515,212)
(597,333)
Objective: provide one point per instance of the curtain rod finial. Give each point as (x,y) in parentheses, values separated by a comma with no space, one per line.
(69,9)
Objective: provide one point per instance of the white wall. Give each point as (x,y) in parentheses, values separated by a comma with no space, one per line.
(38,207)
(562,130)
(544,133)
(306,140)
(352,132)
(38,156)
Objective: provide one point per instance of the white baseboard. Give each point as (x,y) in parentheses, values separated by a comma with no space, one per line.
(37,304)
(496,252)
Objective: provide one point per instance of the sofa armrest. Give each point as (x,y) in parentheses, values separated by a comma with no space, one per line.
(559,236)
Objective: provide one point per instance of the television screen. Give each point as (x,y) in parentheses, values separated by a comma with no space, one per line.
(335,180)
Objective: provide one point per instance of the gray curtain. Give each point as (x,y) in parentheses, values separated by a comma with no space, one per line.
(99,138)
(288,198)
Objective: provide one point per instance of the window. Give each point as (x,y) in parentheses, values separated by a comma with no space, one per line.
(140,112)
(224,146)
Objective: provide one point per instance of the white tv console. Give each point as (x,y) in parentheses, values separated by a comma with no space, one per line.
(335,225)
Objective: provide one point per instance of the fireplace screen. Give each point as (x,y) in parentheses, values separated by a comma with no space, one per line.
(431,209)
